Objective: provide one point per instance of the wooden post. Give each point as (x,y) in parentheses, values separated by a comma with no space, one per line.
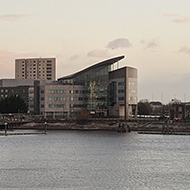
(45,124)
(5,128)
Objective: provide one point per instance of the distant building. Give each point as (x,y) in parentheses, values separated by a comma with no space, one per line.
(179,110)
(19,87)
(100,89)
(35,68)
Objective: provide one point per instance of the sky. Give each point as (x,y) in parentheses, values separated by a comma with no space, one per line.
(153,36)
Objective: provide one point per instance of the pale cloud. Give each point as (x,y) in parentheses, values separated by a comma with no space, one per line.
(74,57)
(178,18)
(142,42)
(184,49)
(151,44)
(119,43)
(98,53)
(12,17)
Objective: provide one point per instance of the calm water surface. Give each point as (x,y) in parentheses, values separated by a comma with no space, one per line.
(94,160)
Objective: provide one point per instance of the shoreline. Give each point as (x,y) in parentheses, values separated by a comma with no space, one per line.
(104,126)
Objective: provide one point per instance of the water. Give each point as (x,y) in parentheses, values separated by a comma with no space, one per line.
(87,160)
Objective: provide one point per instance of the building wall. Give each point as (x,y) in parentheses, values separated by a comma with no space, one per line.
(58,100)
(16,82)
(36,68)
(125,80)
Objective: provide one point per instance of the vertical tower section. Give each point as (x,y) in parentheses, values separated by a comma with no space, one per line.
(123,97)
(35,68)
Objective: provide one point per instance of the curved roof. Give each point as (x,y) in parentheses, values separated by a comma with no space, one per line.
(100,64)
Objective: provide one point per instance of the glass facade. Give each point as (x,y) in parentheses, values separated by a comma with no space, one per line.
(96,82)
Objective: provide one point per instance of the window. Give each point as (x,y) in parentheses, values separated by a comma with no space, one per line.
(42,91)
(121,91)
(133,98)
(120,98)
(121,83)
(132,91)
(132,84)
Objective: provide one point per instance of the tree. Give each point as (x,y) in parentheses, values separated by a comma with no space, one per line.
(144,108)
(13,104)
(83,117)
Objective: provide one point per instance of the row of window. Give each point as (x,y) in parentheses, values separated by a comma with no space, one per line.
(64,99)
(13,91)
(78,91)
(131,98)
(57,98)
(63,91)
(130,84)
(78,98)
(56,105)
(57,91)
(63,106)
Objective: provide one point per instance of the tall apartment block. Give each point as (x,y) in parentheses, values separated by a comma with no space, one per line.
(35,68)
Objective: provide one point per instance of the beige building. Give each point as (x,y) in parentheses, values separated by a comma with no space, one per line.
(57,100)
(35,68)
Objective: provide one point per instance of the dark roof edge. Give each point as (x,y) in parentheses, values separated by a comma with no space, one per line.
(102,63)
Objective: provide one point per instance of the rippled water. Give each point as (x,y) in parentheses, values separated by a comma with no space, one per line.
(87,160)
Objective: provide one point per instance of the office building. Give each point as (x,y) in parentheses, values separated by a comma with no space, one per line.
(101,89)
